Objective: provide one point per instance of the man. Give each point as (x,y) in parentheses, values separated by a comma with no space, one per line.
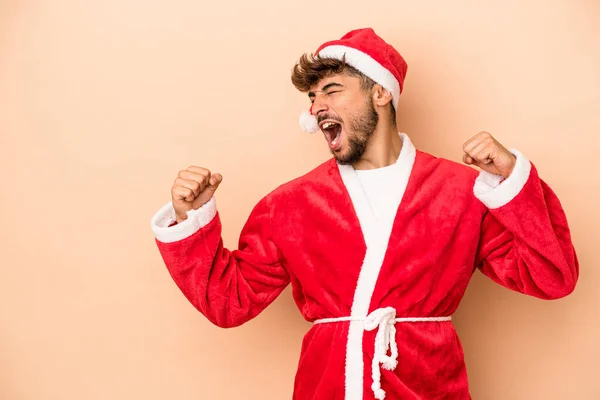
(378,243)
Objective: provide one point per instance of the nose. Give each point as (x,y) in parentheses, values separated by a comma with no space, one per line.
(319,105)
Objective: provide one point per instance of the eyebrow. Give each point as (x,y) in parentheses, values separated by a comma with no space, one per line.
(330,85)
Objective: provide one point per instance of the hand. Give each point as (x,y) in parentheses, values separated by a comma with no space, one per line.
(193,188)
(485,152)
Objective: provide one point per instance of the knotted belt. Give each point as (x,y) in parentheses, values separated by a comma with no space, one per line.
(384,320)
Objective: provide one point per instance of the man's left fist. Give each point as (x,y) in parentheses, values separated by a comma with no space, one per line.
(485,152)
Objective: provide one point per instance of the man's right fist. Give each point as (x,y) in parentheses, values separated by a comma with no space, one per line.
(193,188)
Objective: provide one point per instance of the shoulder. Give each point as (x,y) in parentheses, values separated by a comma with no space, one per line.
(311,181)
(446,181)
(315,176)
(442,168)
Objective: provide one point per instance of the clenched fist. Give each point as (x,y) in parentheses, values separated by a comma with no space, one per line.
(485,152)
(192,189)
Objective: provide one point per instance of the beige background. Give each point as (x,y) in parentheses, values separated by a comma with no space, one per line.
(102,102)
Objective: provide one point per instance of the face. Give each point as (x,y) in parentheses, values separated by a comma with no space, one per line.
(345,114)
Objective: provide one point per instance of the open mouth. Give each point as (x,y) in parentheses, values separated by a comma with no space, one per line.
(333,133)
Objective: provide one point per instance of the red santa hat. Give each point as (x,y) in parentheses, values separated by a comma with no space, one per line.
(364,50)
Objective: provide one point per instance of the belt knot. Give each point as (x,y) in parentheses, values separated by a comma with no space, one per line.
(384,320)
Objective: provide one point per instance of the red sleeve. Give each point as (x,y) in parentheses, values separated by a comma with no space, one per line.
(229,287)
(526,242)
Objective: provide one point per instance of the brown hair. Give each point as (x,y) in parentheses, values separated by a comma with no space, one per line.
(309,70)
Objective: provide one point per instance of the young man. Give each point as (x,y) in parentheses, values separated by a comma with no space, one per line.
(378,243)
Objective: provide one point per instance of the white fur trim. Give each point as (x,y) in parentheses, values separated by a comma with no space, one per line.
(196,220)
(376,234)
(308,122)
(495,193)
(367,65)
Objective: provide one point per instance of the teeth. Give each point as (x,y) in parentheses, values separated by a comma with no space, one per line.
(328,124)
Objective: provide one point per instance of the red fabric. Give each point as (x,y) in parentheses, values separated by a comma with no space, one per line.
(306,233)
(368,42)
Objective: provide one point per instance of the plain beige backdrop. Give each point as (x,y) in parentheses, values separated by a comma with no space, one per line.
(102,102)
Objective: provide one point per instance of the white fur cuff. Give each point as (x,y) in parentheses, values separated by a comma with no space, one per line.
(196,220)
(495,193)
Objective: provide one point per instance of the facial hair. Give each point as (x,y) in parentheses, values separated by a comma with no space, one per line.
(362,125)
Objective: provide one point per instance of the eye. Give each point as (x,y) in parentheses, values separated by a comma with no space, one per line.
(332,92)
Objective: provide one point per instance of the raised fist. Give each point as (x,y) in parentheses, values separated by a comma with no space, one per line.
(485,152)
(193,188)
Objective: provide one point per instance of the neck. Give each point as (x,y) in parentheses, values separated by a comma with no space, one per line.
(383,148)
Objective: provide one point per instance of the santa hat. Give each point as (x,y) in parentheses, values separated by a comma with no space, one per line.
(369,54)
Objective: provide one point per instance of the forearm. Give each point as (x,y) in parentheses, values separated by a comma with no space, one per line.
(526,243)
(228,287)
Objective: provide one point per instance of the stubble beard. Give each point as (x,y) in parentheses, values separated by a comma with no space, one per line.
(362,125)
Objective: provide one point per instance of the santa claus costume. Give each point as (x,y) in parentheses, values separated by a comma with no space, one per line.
(378,259)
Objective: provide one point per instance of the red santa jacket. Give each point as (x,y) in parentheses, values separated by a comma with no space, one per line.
(382,289)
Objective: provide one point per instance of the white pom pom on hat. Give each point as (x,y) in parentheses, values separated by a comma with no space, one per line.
(308,122)
(364,50)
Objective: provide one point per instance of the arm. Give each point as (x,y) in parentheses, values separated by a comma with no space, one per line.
(525,242)
(229,287)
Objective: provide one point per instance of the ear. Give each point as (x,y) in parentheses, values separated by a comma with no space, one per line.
(381,96)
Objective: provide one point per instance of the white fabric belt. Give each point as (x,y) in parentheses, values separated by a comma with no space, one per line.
(384,319)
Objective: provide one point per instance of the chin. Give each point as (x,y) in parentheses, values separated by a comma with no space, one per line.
(348,153)
(343,161)
(343,157)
